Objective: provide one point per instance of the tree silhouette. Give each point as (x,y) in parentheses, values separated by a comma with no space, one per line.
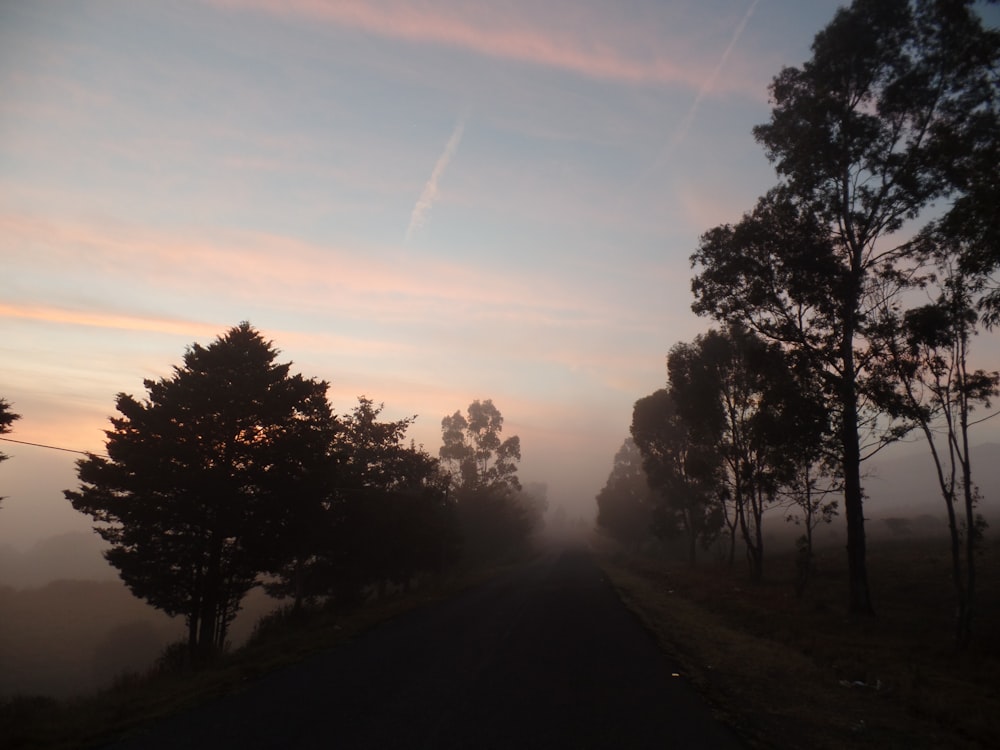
(934,384)
(483,475)
(199,481)
(474,453)
(625,503)
(741,393)
(682,465)
(7,418)
(863,137)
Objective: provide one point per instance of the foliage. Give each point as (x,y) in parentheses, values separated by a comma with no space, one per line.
(742,396)
(934,384)
(682,466)
(864,137)
(482,470)
(7,418)
(473,452)
(200,478)
(625,503)
(385,516)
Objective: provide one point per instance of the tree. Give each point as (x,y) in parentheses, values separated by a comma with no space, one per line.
(7,418)
(742,393)
(483,475)
(937,388)
(398,519)
(194,496)
(625,503)
(473,451)
(858,136)
(682,469)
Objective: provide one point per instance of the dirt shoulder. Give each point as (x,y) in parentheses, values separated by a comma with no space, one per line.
(801,673)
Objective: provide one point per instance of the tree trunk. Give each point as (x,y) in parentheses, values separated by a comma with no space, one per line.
(209,604)
(860,596)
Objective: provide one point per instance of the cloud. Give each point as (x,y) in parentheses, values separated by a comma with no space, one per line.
(103,319)
(243,269)
(680,133)
(429,194)
(568,37)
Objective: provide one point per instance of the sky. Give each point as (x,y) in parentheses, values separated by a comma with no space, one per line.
(425,203)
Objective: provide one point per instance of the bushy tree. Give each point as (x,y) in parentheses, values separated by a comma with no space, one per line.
(682,465)
(201,477)
(740,394)
(385,516)
(625,503)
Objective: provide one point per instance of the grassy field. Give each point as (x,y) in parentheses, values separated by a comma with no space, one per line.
(38,722)
(793,672)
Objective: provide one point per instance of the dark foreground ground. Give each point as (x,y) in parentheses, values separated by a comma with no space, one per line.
(543,657)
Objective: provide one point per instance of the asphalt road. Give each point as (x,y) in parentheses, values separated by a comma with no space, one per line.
(544,657)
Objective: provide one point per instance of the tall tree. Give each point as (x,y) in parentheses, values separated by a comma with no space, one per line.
(682,467)
(857,135)
(625,503)
(7,418)
(937,387)
(474,452)
(194,494)
(483,473)
(742,393)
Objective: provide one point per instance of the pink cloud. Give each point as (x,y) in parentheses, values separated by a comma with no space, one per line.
(101,319)
(364,282)
(566,37)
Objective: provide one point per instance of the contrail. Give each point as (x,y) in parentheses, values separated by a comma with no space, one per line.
(682,130)
(423,206)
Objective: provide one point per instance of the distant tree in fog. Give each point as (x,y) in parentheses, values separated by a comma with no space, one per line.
(7,418)
(625,503)
(741,393)
(200,482)
(682,464)
(935,386)
(473,452)
(483,475)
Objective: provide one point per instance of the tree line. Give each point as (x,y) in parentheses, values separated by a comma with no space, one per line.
(848,298)
(234,473)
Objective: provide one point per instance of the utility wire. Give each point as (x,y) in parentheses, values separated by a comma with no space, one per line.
(51,447)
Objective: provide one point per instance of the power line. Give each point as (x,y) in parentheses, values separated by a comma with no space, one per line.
(51,447)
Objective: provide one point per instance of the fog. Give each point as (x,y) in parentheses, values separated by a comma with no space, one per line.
(70,626)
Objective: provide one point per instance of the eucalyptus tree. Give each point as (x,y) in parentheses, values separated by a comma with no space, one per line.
(482,467)
(681,463)
(625,503)
(935,384)
(862,136)
(474,452)
(742,390)
(201,482)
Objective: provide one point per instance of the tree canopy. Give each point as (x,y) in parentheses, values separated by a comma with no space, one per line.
(200,476)
(895,110)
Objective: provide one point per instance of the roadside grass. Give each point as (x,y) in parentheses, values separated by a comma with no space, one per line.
(36,722)
(791,672)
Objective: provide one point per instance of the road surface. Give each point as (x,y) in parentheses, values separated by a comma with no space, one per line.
(543,657)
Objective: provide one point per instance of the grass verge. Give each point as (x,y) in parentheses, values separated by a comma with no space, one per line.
(791,672)
(37,722)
